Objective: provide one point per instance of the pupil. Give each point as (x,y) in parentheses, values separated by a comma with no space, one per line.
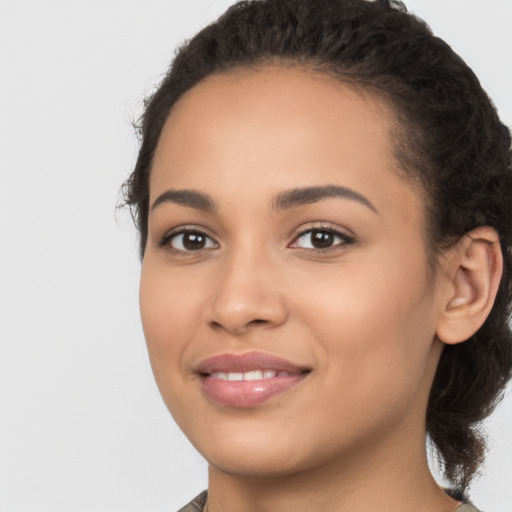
(322,239)
(193,241)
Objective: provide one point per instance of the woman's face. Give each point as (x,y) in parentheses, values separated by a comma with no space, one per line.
(288,306)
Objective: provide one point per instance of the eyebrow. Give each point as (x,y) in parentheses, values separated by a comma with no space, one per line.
(284,200)
(189,198)
(302,196)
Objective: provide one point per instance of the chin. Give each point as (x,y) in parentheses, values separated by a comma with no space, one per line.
(263,465)
(250,452)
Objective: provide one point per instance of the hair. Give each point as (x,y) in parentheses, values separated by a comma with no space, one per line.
(450,141)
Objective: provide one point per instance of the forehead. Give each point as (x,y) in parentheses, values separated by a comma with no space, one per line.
(277,127)
(282,100)
(286,85)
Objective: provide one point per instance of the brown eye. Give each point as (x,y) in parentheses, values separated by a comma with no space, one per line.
(321,239)
(188,241)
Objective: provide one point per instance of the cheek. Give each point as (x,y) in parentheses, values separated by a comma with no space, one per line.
(376,324)
(170,312)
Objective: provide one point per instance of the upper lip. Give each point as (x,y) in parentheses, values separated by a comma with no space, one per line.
(247,362)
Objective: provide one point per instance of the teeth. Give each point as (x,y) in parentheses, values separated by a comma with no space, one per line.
(252,375)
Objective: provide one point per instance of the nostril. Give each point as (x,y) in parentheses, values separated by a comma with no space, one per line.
(252,323)
(235,313)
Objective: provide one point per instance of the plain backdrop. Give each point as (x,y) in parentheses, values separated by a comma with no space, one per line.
(82,426)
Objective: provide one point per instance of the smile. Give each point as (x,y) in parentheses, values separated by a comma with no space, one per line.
(248,380)
(252,375)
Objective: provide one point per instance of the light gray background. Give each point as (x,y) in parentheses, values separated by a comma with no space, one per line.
(82,427)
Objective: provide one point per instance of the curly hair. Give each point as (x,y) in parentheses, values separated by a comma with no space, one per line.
(450,141)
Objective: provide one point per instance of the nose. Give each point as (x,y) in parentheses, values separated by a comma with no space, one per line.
(246,295)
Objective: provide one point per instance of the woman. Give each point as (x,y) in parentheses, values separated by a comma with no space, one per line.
(323,198)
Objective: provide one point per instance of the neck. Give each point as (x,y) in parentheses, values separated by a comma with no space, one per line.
(377,479)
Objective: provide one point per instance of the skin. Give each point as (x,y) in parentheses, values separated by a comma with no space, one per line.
(362,315)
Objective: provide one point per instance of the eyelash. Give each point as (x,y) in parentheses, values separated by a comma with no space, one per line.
(167,239)
(344,239)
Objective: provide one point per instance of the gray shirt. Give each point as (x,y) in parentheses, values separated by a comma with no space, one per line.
(198,503)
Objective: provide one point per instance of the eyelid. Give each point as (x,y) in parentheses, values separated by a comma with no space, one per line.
(344,234)
(165,241)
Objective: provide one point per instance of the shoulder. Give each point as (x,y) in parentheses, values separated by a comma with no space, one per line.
(197,504)
(466,507)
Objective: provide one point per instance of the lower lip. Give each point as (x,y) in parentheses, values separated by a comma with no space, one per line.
(248,393)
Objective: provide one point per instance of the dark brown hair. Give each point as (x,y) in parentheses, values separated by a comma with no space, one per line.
(451,141)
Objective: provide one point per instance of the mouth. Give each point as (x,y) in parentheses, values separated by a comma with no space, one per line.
(247,380)
(249,376)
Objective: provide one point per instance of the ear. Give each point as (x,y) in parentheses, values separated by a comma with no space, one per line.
(473,271)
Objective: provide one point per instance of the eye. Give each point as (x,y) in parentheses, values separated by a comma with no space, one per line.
(321,239)
(188,240)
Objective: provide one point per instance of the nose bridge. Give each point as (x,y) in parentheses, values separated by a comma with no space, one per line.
(246,292)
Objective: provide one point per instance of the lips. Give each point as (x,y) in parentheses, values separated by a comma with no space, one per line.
(247,380)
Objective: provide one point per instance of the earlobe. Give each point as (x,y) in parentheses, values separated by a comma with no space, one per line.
(474,271)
